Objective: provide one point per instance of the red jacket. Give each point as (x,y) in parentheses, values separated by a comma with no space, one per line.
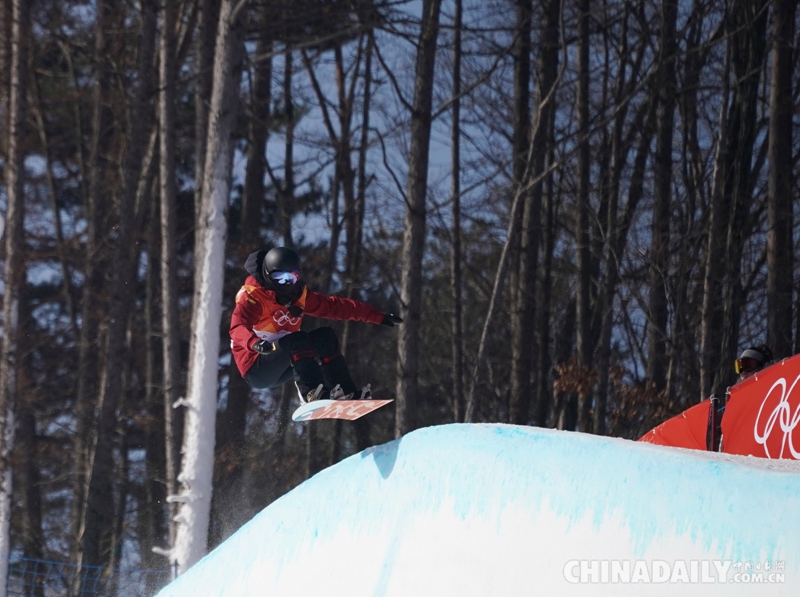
(258,316)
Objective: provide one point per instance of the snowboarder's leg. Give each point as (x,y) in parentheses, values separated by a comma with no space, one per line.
(303,358)
(270,370)
(334,366)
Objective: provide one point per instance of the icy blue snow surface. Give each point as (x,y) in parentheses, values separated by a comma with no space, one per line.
(503,509)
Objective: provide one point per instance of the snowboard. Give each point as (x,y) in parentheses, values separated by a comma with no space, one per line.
(348,410)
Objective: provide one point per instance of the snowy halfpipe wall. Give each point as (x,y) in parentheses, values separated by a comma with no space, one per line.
(502,510)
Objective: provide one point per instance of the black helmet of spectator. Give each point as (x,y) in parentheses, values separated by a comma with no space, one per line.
(752,360)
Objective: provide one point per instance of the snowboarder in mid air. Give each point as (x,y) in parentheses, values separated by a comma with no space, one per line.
(268,345)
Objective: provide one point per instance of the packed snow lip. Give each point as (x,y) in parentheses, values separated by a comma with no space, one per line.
(483,509)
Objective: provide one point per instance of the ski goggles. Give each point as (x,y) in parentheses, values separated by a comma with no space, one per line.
(746,365)
(286,277)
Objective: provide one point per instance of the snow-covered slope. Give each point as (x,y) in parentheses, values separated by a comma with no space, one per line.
(503,510)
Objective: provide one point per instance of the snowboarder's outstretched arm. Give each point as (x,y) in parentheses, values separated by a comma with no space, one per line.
(335,307)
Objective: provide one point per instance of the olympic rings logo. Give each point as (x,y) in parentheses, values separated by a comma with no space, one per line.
(282,318)
(782,413)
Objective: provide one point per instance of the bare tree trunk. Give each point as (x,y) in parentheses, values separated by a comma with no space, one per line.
(414,235)
(548,73)
(351,335)
(563,415)
(208,23)
(260,115)
(747,28)
(232,423)
(66,273)
(98,513)
(514,224)
(336,232)
(711,326)
(685,366)
(352,225)
(97,175)
(121,472)
(780,256)
(616,226)
(584,341)
(361,200)
(340,143)
(201,400)
(15,265)
(611,192)
(170,321)
(343,177)
(33,543)
(27,447)
(530,237)
(521,299)
(5,69)
(455,225)
(152,525)
(206,36)
(659,252)
(286,195)
(344,150)
(544,359)
(206,40)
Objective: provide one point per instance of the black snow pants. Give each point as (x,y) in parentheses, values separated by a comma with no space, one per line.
(309,358)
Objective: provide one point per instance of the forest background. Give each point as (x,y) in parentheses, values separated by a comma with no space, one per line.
(583,210)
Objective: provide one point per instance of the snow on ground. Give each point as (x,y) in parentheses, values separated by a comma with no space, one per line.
(501,510)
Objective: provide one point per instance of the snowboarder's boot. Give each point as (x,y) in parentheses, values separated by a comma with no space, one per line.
(306,395)
(338,394)
(310,384)
(337,376)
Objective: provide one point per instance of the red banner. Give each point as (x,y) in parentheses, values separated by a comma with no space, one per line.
(761,417)
(687,430)
(763,413)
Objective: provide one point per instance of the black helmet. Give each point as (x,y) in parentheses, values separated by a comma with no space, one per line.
(280,259)
(753,359)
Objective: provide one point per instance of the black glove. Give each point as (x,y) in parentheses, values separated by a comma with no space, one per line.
(263,347)
(390,320)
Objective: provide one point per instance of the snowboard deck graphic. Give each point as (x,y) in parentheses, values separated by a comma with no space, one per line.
(349,410)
